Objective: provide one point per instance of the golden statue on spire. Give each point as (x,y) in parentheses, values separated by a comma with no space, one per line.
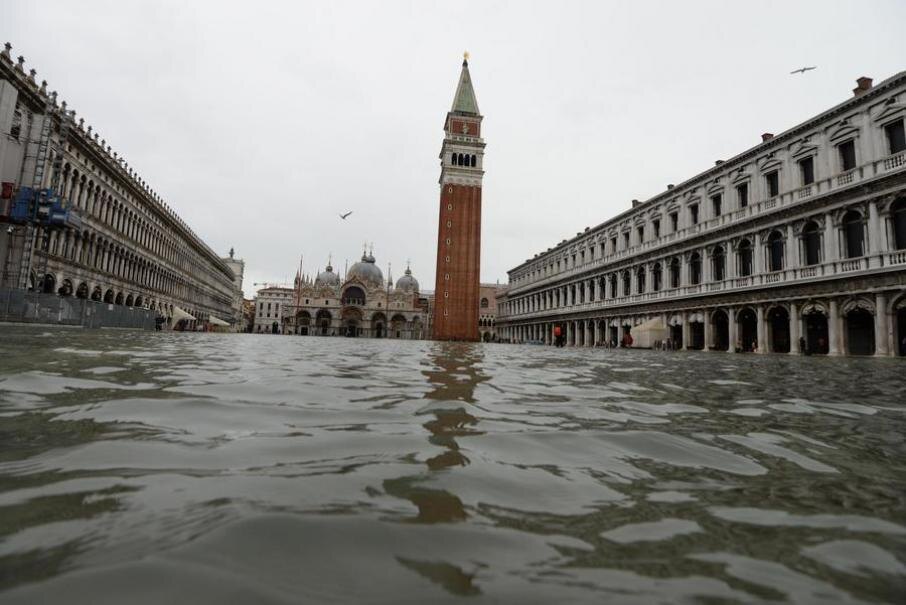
(465,56)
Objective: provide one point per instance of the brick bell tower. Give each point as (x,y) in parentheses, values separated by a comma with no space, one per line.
(456,291)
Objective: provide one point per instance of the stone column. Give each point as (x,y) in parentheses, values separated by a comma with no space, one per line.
(597,333)
(757,257)
(791,248)
(833,329)
(875,233)
(830,238)
(731,329)
(589,334)
(684,345)
(569,333)
(761,332)
(882,323)
(706,318)
(794,329)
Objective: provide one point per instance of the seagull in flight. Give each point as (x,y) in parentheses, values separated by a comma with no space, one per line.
(802,70)
(343,216)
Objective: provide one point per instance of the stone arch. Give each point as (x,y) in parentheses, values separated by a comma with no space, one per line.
(720,330)
(857,302)
(379,324)
(66,288)
(109,296)
(48,283)
(778,324)
(119,298)
(82,291)
(852,222)
(323,319)
(859,329)
(129,301)
(747,329)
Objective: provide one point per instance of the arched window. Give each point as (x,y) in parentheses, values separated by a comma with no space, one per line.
(854,234)
(627,282)
(695,268)
(674,273)
(453,159)
(775,251)
(459,160)
(811,242)
(898,216)
(484,303)
(656,277)
(474,161)
(613,286)
(640,275)
(745,258)
(718,264)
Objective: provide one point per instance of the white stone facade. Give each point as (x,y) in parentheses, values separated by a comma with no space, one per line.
(801,237)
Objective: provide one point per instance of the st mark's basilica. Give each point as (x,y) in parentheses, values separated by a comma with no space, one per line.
(360,303)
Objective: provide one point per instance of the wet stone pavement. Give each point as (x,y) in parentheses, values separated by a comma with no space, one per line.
(203,468)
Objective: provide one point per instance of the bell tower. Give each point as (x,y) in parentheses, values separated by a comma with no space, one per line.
(456,291)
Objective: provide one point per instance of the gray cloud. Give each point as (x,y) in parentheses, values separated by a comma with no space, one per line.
(260,123)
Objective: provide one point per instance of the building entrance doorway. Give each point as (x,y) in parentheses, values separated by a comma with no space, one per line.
(748,330)
(721,330)
(816,333)
(779,324)
(697,335)
(676,336)
(860,332)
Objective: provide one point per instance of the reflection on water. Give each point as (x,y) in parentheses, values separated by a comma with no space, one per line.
(206,468)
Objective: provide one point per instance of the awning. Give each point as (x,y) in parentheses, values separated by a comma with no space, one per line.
(179,314)
(217,322)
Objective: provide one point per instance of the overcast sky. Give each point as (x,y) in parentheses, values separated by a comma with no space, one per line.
(259,122)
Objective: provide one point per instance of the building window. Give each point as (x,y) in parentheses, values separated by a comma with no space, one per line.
(484,303)
(693,213)
(742,194)
(775,251)
(807,170)
(613,286)
(772,180)
(718,264)
(847,153)
(896,137)
(674,273)
(854,234)
(656,277)
(16,128)
(625,240)
(613,245)
(898,216)
(641,232)
(674,221)
(627,282)
(695,269)
(745,258)
(716,201)
(640,280)
(656,224)
(812,243)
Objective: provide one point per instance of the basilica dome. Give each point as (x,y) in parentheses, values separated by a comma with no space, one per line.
(366,271)
(327,277)
(407,282)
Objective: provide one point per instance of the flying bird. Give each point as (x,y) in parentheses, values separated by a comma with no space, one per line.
(343,216)
(802,70)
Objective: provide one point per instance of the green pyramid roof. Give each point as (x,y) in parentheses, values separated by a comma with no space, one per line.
(465,101)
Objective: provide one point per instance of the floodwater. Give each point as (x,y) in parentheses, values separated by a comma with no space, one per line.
(203,468)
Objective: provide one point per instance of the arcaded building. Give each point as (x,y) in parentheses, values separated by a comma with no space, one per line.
(795,245)
(121,243)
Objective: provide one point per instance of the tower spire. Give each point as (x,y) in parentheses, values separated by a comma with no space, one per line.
(464,101)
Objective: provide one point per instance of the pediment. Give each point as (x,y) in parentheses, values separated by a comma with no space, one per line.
(892,110)
(741,177)
(770,164)
(804,149)
(843,130)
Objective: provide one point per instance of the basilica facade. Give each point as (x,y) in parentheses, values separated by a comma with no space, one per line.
(359,304)
(797,245)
